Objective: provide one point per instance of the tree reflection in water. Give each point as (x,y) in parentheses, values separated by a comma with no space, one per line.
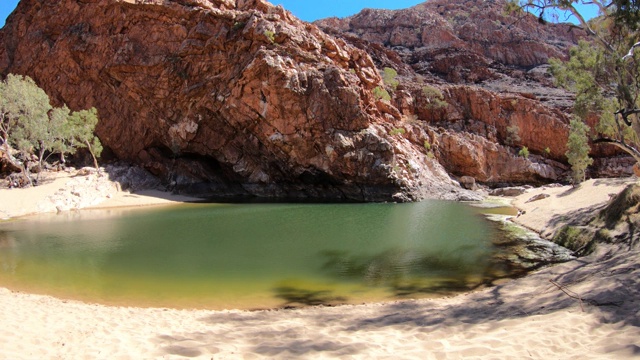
(407,272)
(294,295)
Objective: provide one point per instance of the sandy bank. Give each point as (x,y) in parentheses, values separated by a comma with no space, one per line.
(587,308)
(64,191)
(557,203)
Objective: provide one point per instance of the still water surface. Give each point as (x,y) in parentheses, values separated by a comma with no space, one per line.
(251,255)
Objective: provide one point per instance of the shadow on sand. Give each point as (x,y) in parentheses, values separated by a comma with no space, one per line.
(606,285)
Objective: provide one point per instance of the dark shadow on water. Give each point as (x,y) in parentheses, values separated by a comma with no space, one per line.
(410,272)
(292,296)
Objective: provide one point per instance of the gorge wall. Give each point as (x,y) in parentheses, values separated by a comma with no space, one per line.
(492,69)
(222,97)
(240,98)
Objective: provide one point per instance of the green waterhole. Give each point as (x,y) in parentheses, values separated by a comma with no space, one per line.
(249,256)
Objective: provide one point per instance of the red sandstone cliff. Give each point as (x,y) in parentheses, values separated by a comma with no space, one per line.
(492,70)
(238,97)
(222,97)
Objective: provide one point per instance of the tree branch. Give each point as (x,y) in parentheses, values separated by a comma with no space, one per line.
(569,293)
(630,53)
(624,113)
(622,145)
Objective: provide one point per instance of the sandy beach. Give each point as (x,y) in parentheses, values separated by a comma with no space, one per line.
(587,308)
(66,190)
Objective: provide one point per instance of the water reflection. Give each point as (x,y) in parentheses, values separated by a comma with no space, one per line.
(7,247)
(300,296)
(409,272)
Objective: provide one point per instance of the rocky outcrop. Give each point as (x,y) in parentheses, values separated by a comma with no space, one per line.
(491,68)
(461,41)
(234,98)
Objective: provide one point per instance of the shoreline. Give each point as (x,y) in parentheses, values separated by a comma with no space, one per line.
(530,317)
(64,191)
(527,317)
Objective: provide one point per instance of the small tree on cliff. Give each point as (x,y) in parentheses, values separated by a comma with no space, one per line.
(603,72)
(389,77)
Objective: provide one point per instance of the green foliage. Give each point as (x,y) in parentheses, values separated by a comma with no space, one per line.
(23,111)
(429,149)
(547,150)
(604,69)
(524,152)
(397,131)
(627,13)
(29,124)
(576,239)
(25,117)
(578,150)
(81,128)
(389,77)
(53,139)
(588,73)
(435,98)
(381,93)
(512,7)
(270,35)
(513,135)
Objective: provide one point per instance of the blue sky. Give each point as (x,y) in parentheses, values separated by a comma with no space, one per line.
(308,10)
(6,7)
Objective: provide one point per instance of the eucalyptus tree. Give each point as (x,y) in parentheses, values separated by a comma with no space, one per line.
(604,69)
(578,150)
(31,126)
(24,111)
(81,126)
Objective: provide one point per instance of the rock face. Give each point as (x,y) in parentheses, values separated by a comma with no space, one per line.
(460,40)
(223,97)
(492,71)
(239,98)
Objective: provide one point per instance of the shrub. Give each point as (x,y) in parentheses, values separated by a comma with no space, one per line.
(381,93)
(397,131)
(31,125)
(270,35)
(389,77)
(513,135)
(435,98)
(575,239)
(524,152)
